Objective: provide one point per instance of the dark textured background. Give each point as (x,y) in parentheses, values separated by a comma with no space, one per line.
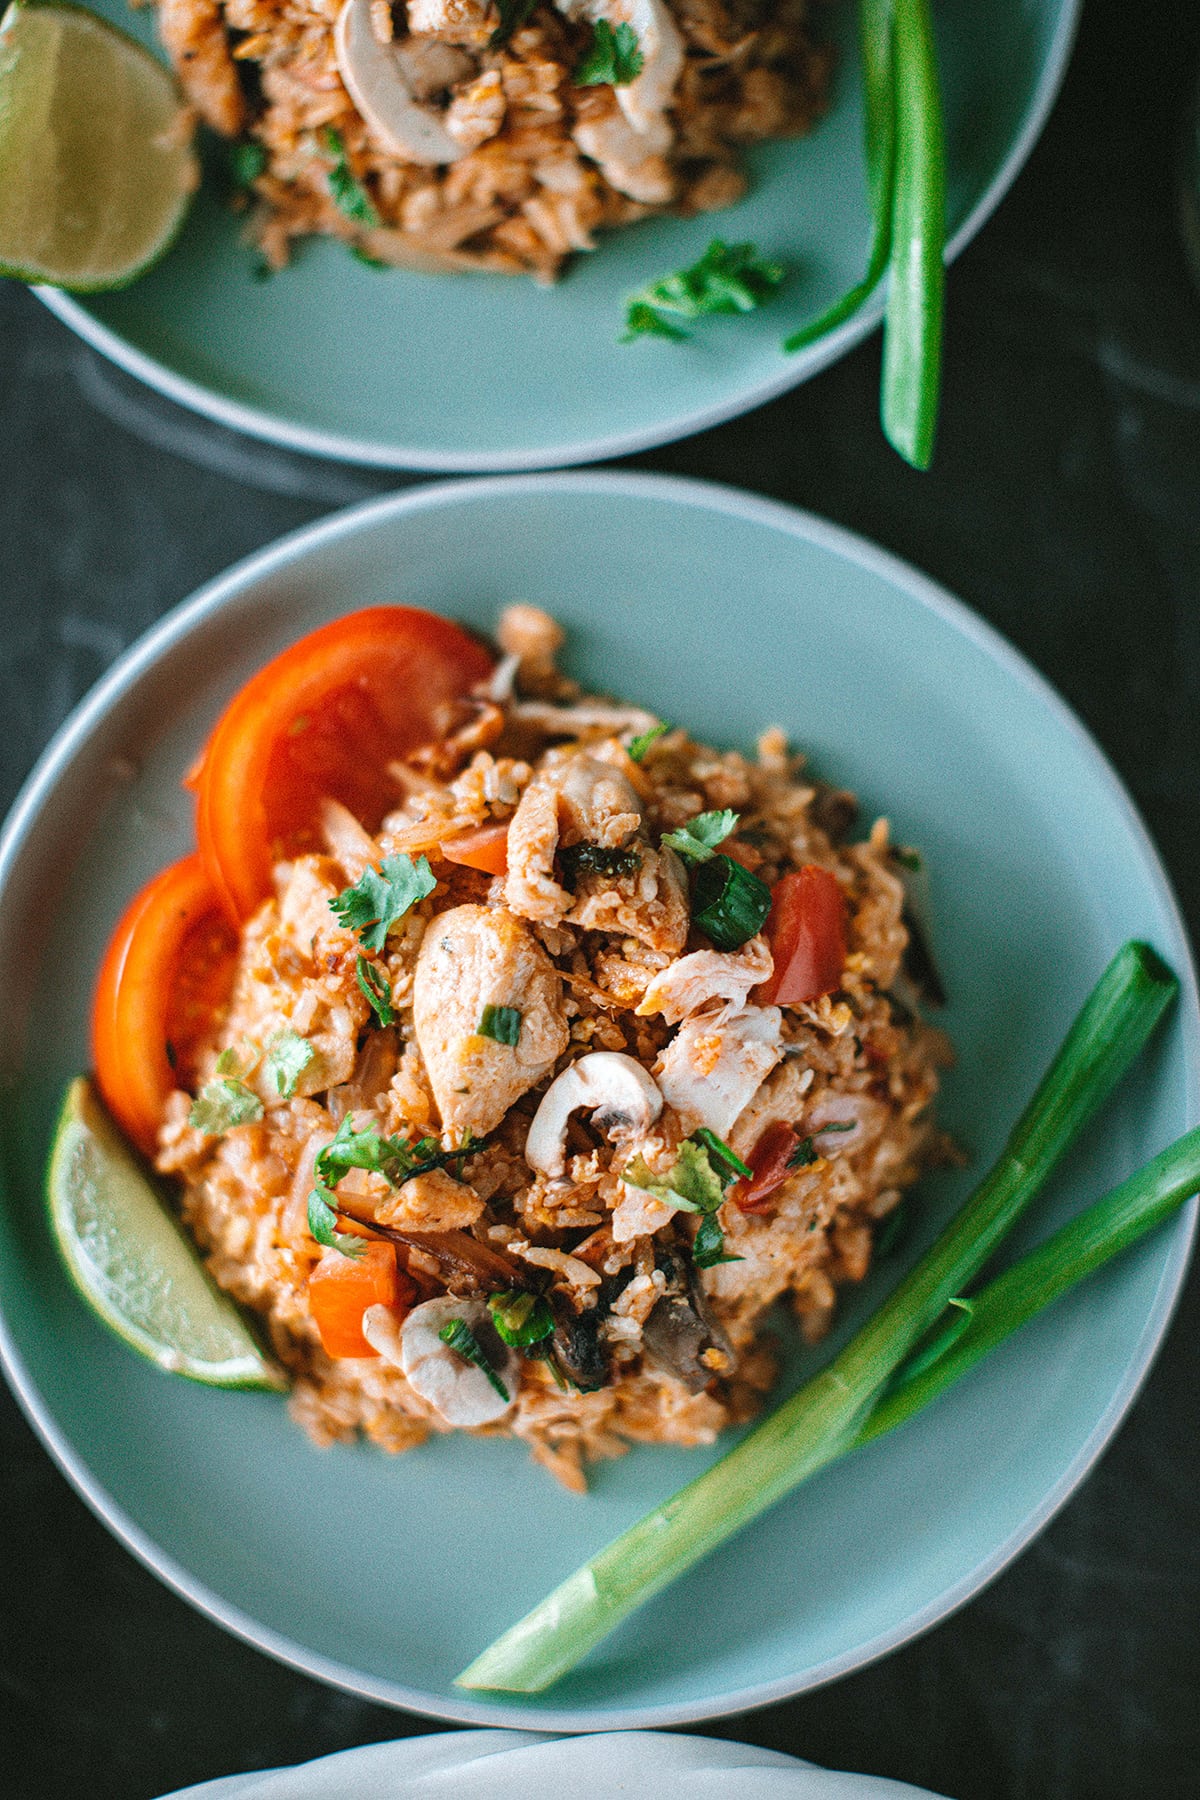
(1065,506)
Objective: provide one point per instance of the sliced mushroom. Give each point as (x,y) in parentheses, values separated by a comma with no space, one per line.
(682,1334)
(376,80)
(577,1348)
(646,98)
(614,1088)
(454,1387)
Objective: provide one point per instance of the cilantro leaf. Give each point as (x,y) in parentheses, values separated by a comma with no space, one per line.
(381,897)
(345,189)
(462,1340)
(637,748)
(614,57)
(374,984)
(321,1222)
(288,1055)
(698,839)
(501,1023)
(691,1184)
(513,14)
(397,1159)
(239,1060)
(521,1319)
(708,1245)
(224,1104)
(728,278)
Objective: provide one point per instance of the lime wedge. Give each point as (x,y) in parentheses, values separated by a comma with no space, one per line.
(96,163)
(133,1263)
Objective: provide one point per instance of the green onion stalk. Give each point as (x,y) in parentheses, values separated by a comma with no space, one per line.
(834,1411)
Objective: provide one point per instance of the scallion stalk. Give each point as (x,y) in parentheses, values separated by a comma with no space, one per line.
(827,1416)
(1077,1250)
(912,331)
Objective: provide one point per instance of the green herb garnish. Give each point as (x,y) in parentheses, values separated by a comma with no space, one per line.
(908,859)
(614,57)
(502,1024)
(397,1159)
(697,841)
(345,189)
(288,1055)
(720,1148)
(636,749)
(691,1183)
(368,261)
(381,897)
(729,278)
(375,985)
(513,14)
(224,1104)
(322,1220)
(729,903)
(457,1334)
(522,1320)
(246,162)
(708,1245)
(595,859)
(841,1405)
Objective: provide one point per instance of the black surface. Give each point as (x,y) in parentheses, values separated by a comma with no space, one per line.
(1065,506)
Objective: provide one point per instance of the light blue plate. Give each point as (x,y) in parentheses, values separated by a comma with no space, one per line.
(727,613)
(491,372)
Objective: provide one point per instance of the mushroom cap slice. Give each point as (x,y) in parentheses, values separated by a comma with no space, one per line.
(375,79)
(619,1092)
(456,1389)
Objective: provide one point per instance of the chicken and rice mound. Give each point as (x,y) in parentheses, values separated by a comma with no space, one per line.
(527,1092)
(458,134)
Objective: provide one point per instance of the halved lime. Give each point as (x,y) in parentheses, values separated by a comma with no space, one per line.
(96,163)
(132,1261)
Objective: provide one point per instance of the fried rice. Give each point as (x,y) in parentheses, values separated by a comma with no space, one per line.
(588,939)
(532,164)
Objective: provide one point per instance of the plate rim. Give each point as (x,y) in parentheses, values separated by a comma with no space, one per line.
(257,422)
(157,643)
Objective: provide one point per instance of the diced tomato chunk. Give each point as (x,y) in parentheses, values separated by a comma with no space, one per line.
(485,849)
(769,1162)
(341,1288)
(806,929)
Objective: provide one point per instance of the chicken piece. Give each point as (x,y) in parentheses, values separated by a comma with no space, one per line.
(193,35)
(431,1202)
(304,909)
(625,160)
(532,636)
(716,1063)
(472,957)
(576,800)
(693,981)
(650,905)
(477,113)
(469,22)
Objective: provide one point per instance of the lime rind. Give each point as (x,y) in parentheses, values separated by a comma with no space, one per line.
(91,196)
(132,1263)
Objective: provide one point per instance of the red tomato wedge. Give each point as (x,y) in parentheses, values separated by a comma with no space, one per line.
(768,1161)
(341,1288)
(323,720)
(806,929)
(485,849)
(167,969)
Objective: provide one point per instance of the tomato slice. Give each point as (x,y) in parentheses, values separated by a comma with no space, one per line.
(168,967)
(485,849)
(806,929)
(769,1162)
(341,1288)
(323,719)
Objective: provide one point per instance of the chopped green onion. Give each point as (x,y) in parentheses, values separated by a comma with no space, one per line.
(691,1184)
(521,1319)
(345,189)
(708,1245)
(729,903)
(501,1023)
(828,1415)
(462,1340)
(636,749)
(719,1148)
(375,985)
